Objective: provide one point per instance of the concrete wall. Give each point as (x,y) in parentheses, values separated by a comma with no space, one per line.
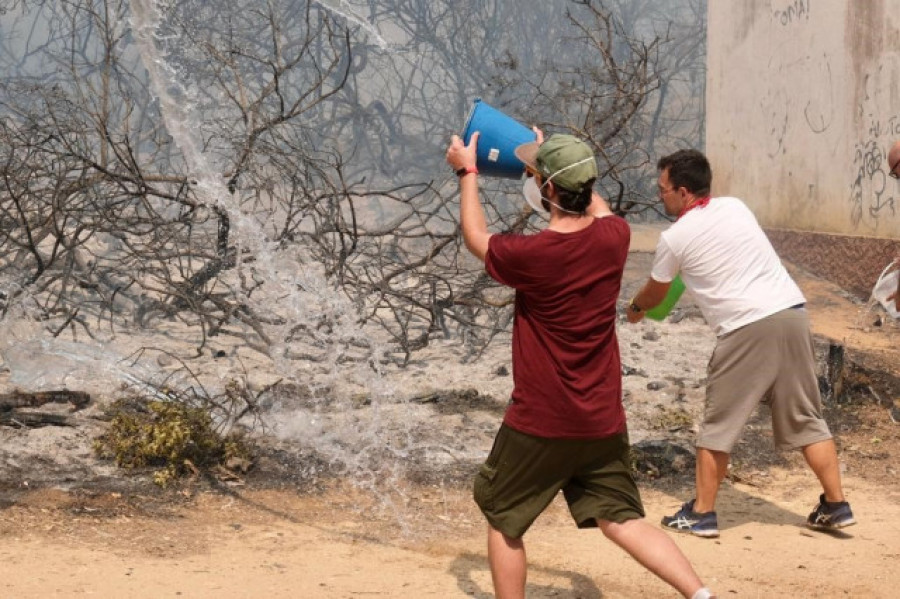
(803,102)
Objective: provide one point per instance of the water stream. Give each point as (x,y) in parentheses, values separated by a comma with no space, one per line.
(367,446)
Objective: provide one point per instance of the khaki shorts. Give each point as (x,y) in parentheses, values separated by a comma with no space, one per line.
(770,361)
(523,474)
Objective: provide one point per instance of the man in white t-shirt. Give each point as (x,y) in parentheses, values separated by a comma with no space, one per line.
(764,350)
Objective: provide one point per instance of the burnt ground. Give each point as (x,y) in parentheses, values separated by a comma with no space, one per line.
(860,376)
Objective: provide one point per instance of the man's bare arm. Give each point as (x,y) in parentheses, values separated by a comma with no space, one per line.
(650,295)
(471,214)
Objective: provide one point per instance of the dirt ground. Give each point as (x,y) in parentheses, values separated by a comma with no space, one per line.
(240,540)
(277,544)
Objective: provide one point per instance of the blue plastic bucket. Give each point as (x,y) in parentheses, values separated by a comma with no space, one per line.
(500,135)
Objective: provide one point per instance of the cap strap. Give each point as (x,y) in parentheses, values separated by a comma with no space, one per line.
(565,168)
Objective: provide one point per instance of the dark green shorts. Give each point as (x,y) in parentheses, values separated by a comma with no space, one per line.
(524,473)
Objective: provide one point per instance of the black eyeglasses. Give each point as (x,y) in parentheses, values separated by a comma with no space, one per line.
(893,171)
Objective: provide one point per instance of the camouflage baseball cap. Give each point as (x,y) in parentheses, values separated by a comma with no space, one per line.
(564,159)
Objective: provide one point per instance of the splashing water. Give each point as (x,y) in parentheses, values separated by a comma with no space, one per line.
(351,417)
(299,290)
(350,16)
(370,447)
(303,295)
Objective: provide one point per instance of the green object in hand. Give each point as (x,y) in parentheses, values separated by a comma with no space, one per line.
(660,311)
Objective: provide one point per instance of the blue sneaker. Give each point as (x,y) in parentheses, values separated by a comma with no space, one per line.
(687,520)
(830,515)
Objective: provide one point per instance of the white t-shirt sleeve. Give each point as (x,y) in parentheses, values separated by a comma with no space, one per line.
(665,262)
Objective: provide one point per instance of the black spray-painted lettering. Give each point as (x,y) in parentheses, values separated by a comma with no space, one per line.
(794,12)
(871,198)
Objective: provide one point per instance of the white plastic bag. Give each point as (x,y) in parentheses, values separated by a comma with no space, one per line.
(887,285)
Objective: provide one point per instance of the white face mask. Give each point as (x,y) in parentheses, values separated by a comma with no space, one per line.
(532,194)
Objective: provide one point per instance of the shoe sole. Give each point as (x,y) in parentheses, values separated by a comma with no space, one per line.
(706,534)
(838,526)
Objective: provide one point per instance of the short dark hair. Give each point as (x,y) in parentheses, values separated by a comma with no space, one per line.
(576,201)
(689,169)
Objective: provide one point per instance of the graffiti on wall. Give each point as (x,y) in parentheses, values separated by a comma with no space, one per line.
(873,196)
(775,107)
(792,12)
(817,91)
(819,109)
(810,101)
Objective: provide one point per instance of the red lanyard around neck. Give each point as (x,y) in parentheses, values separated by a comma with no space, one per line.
(695,204)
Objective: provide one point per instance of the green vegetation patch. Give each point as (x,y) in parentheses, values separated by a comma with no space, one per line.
(171,437)
(671,419)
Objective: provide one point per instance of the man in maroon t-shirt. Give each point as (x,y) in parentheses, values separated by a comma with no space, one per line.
(565,427)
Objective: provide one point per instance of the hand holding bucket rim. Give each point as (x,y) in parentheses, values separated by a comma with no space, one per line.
(460,155)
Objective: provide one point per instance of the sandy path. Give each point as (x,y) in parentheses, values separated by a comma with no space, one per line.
(275,544)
